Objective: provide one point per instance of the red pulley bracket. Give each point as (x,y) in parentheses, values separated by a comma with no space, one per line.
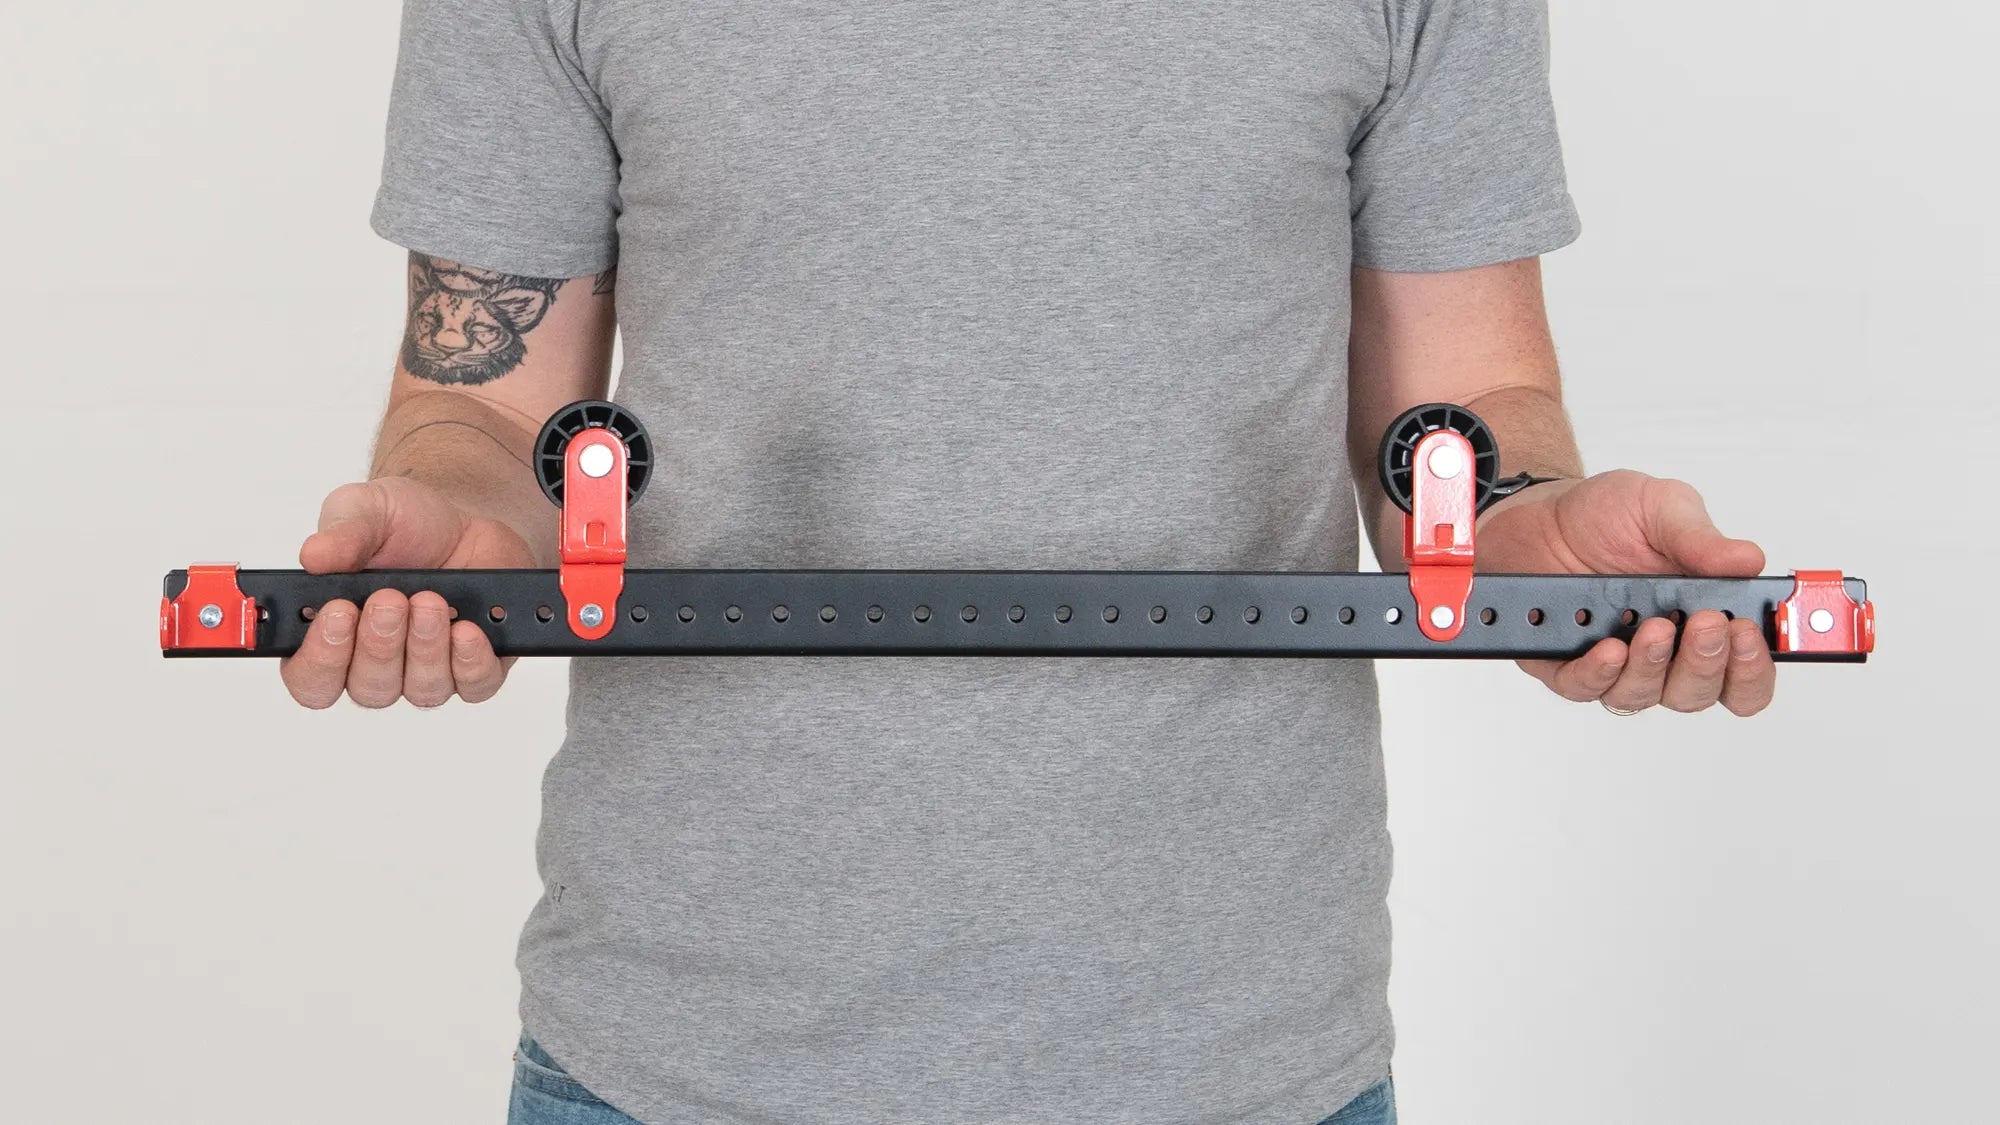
(1438,532)
(1820,617)
(210,612)
(593,531)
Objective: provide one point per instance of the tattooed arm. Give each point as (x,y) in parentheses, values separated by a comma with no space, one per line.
(486,357)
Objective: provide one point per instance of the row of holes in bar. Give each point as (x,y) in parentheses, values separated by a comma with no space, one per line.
(1063,615)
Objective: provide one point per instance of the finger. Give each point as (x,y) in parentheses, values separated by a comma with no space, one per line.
(353,522)
(375,678)
(1680,528)
(1588,677)
(476,670)
(1752,676)
(427,674)
(317,673)
(1645,675)
(1694,682)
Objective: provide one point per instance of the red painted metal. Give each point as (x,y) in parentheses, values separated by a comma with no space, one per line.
(1438,533)
(593,533)
(1820,617)
(210,586)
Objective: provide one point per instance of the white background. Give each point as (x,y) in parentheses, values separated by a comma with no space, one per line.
(218,909)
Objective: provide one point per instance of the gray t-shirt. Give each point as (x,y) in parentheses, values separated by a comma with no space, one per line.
(978,284)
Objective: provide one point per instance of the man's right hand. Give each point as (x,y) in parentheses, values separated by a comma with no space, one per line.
(397,647)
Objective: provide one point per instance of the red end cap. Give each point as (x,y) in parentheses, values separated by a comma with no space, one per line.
(1819,617)
(211,612)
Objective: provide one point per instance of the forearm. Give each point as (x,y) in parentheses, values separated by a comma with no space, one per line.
(474,452)
(1535,438)
(486,357)
(1477,338)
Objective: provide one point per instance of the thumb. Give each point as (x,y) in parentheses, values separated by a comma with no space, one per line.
(381,523)
(1679,526)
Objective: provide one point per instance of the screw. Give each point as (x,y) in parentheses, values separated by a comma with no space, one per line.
(211,617)
(591,615)
(1821,620)
(1442,617)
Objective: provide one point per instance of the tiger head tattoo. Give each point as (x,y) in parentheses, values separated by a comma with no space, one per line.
(466,324)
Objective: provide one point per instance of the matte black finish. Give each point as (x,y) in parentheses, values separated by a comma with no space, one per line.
(592,414)
(1025,613)
(1399,448)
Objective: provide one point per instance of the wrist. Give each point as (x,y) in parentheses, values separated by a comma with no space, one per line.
(1533,492)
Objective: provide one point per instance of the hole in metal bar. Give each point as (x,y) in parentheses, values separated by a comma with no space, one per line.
(1016,614)
(1347,615)
(1063,614)
(1204,615)
(1394,616)
(1159,615)
(923,614)
(1252,615)
(544,614)
(1583,617)
(781,614)
(1299,615)
(640,614)
(307,612)
(969,614)
(263,614)
(1488,615)
(1111,615)
(875,615)
(1629,618)
(732,615)
(687,615)
(1536,617)
(496,614)
(827,614)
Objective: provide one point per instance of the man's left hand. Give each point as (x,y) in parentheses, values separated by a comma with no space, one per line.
(1629,523)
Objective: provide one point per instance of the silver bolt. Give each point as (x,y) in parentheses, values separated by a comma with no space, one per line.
(1447,462)
(1821,621)
(211,617)
(1442,616)
(595,460)
(591,615)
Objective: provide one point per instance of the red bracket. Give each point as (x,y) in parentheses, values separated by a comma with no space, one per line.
(593,531)
(1438,532)
(212,611)
(1820,617)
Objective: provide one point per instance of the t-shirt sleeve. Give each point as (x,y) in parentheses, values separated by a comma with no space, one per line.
(499,152)
(1460,165)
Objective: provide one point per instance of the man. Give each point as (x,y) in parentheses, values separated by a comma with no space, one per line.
(974,285)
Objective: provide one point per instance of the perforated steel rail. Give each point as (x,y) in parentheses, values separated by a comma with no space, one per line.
(1024,613)
(1438,461)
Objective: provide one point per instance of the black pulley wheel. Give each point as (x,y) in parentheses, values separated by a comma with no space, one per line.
(577,417)
(1399,448)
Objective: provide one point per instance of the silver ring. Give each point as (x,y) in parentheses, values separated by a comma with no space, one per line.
(1618,711)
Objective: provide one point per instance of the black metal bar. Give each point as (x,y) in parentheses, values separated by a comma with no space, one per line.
(1025,613)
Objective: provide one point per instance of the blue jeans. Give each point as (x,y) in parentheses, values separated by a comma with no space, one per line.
(545,1094)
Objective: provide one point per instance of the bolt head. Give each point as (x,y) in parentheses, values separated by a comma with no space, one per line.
(1821,621)
(211,617)
(591,615)
(595,459)
(1442,617)
(1447,462)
